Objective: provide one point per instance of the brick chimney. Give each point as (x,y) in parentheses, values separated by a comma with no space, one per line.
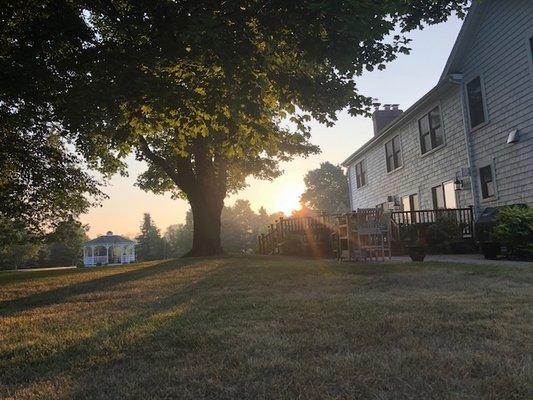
(383,117)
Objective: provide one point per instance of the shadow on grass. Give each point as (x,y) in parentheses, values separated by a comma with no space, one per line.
(112,343)
(61,294)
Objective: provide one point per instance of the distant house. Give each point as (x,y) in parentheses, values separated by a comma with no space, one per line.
(107,250)
(469,140)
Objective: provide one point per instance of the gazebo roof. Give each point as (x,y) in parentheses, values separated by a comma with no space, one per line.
(109,238)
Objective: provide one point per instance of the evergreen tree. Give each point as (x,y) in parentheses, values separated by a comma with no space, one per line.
(150,245)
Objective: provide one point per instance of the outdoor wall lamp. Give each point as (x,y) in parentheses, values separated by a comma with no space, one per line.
(458,184)
(513,137)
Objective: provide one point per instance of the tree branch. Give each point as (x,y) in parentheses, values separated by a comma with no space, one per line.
(181,178)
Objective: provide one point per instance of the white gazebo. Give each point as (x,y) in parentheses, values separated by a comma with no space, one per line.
(108,250)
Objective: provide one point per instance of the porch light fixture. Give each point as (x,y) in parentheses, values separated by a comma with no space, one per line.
(458,184)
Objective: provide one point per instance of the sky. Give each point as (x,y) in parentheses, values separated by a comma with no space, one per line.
(403,82)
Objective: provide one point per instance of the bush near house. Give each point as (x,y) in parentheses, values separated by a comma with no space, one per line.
(514,230)
(438,237)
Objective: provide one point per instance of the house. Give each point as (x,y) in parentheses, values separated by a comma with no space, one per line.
(469,140)
(107,250)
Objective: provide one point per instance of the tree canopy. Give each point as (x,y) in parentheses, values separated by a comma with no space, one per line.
(326,189)
(43,179)
(211,92)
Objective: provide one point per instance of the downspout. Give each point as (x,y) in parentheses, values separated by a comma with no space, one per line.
(457,79)
(349,176)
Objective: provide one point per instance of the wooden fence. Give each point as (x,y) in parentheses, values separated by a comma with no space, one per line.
(308,235)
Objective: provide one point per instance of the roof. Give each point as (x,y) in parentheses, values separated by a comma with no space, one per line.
(472,21)
(108,239)
(465,38)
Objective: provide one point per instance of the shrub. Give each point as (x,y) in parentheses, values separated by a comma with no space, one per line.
(443,232)
(514,229)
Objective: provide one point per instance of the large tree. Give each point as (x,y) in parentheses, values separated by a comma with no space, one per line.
(211,92)
(326,189)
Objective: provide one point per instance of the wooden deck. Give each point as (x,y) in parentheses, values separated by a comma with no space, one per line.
(318,236)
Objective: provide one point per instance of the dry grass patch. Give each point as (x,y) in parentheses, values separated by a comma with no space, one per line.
(256,327)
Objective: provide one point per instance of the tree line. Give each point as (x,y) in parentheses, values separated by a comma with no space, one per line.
(240,226)
(326,190)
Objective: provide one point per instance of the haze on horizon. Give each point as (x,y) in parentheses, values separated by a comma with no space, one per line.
(403,82)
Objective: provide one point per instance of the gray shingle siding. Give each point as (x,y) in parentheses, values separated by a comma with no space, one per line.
(419,172)
(500,54)
(498,51)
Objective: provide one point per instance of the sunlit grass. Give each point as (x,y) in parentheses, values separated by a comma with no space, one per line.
(267,328)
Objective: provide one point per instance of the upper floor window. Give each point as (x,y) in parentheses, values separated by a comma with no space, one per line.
(393,152)
(476,103)
(430,128)
(444,196)
(360,174)
(487,182)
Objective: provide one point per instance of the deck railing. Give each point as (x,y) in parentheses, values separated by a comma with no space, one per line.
(319,231)
(313,230)
(464,217)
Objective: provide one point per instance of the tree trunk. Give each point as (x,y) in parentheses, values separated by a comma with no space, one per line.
(206,210)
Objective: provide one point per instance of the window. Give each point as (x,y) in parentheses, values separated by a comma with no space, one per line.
(410,203)
(450,199)
(393,153)
(476,106)
(444,196)
(360,174)
(430,128)
(487,182)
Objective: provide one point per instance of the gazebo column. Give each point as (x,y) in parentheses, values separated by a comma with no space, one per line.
(92,255)
(107,253)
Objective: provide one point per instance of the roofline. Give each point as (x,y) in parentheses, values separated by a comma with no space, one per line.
(122,241)
(396,123)
(459,42)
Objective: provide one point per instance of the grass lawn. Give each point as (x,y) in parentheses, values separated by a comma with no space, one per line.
(260,328)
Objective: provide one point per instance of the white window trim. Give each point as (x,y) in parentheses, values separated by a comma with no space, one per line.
(483,94)
(401,153)
(492,165)
(417,128)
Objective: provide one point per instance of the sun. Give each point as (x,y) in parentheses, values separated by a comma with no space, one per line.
(289,200)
